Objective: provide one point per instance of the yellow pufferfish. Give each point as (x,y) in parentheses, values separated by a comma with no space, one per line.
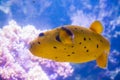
(74,44)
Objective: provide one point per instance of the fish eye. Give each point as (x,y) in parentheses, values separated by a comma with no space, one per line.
(41,34)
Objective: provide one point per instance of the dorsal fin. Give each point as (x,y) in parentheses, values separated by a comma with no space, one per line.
(66,35)
(97,27)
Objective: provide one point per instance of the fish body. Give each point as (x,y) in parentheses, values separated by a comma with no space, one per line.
(74,44)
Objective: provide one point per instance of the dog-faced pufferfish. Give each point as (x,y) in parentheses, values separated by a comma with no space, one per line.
(71,43)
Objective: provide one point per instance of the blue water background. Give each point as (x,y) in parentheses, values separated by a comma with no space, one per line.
(49,14)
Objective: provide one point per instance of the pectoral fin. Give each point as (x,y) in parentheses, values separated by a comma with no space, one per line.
(102,60)
(96,26)
(66,35)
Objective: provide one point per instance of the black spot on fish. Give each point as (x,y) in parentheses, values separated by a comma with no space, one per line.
(84,39)
(84,46)
(72,46)
(38,42)
(58,38)
(64,48)
(69,32)
(97,46)
(73,52)
(87,50)
(89,38)
(80,42)
(54,47)
(41,34)
(68,55)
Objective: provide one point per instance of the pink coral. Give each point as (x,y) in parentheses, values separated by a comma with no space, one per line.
(16,61)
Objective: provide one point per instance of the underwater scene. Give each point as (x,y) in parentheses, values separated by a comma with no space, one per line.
(59,39)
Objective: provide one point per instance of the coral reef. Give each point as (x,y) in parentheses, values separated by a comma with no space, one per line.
(16,61)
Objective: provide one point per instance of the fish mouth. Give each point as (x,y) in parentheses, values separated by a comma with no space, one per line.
(29,46)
